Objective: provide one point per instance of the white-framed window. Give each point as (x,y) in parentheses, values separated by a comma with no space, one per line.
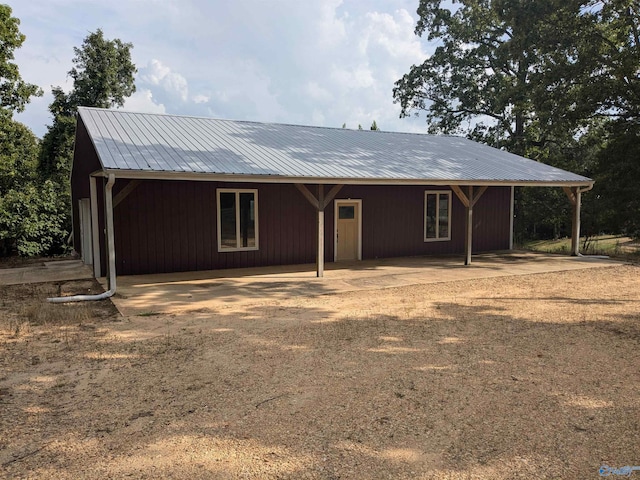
(437,215)
(237,219)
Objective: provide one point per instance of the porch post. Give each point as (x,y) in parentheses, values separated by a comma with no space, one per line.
(511,213)
(575,197)
(468,200)
(469,230)
(320,256)
(319,204)
(575,233)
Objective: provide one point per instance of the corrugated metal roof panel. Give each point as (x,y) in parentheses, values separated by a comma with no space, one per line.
(169,143)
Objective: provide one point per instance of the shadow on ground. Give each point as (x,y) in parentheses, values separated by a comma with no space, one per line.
(478,379)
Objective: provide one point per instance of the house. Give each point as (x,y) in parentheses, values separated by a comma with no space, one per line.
(164,193)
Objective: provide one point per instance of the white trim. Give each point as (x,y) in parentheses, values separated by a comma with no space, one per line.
(511,213)
(219,177)
(336,203)
(237,192)
(437,193)
(95,229)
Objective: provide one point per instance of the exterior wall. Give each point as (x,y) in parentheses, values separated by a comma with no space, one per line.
(491,220)
(85,162)
(393,221)
(170,226)
(166,226)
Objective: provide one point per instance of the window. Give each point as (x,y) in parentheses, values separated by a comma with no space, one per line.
(437,216)
(346,212)
(237,220)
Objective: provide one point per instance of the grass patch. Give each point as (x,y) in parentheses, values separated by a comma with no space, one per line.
(43,313)
(611,245)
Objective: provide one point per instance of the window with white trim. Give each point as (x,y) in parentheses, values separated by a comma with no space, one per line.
(437,215)
(237,219)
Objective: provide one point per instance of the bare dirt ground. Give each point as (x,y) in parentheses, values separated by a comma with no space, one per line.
(534,376)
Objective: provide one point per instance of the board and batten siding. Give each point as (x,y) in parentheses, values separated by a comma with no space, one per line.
(170,226)
(393,221)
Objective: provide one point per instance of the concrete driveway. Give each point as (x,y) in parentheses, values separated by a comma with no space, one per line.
(215,290)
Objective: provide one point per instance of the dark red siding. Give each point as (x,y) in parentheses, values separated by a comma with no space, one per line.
(168,226)
(165,226)
(393,221)
(491,220)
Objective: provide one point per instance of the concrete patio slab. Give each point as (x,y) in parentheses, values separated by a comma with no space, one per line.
(216,290)
(50,271)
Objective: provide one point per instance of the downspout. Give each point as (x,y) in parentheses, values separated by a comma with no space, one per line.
(111,251)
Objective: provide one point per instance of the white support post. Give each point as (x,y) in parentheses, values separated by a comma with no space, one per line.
(575,234)
(468,200)
(95,230)
(511,213)
(469,230)
(319,204)
(575,197)
(320,255)
(110,236)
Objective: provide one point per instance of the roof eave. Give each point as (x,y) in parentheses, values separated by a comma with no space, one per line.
(218,177)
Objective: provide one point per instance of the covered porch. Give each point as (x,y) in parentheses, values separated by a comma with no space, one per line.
(216,290)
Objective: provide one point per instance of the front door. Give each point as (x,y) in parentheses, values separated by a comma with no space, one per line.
(348,242)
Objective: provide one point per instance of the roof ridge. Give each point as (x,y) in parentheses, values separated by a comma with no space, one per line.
(200,117)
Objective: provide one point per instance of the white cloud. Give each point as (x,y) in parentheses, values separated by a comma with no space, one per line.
(317,93)
(142,101)
(201,98)
(158,74)
(358,77)
(322,62)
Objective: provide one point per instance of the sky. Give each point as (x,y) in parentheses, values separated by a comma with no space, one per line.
(308,62)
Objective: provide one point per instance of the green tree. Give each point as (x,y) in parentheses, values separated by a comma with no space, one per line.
(32,220)
(18,154)
(615,202)
(614,91)
(29,218)
(374,126)
(103,77)
(498,74)
(15,93)
(612,60)
(32,212)
(533,77)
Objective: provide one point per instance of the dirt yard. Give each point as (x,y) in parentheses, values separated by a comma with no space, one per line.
(535,376)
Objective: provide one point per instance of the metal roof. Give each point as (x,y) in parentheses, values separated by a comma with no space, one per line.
(147,145)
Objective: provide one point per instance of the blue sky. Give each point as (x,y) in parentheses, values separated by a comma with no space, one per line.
(311,62)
